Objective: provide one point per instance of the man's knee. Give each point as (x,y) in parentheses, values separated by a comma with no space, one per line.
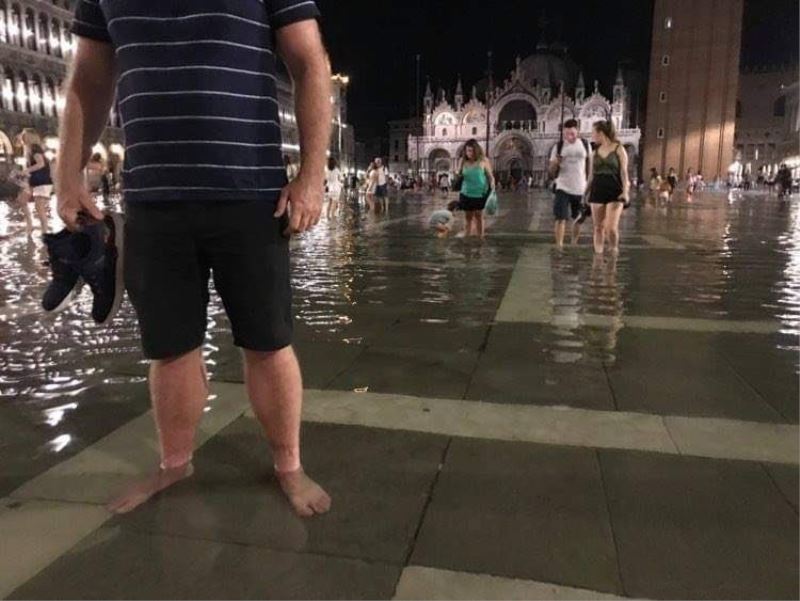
(265,357)
(179,360)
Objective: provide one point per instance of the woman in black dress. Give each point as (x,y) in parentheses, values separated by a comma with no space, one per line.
(609,189)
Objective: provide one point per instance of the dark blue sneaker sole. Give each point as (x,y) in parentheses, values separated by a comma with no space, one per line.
(67,299)
(119,275)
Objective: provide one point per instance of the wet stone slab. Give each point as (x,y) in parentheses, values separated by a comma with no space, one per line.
(521,511)
(769,365)
(379,481)
(690,528)
(45,432)
(411,371)
(118,563)
(787,480)
(682,373)
(541,365)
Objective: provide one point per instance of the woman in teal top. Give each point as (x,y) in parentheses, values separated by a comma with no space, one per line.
(478,183)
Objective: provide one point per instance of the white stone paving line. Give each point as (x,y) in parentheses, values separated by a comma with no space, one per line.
(430,583)
(692,436)
(529,299)
(529,295)
(64,504)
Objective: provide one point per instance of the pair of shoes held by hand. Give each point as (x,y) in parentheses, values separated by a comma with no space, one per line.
(91,256)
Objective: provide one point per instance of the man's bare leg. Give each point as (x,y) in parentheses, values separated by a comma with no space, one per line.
(561,228)
(42,204)
(275,386)
(179,392)
(22,204)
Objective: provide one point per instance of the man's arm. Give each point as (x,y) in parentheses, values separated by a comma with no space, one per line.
(555,161)
(89,93)
(300,46)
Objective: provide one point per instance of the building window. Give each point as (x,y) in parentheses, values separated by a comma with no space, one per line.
(397,144)
(738,109)
(397,158)
(29,31)
(3,24)
(474,131)
(444,132)
(660,133)
(662,97)
(668,23)
(665,60)
(779,109)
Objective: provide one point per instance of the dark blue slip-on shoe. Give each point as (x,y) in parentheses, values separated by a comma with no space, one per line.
(64,250)
(101,266)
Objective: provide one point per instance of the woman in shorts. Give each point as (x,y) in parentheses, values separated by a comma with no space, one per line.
(478,182)
(333,185)
(39,178)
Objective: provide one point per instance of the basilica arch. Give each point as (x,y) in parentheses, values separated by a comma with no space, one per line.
(596,109)
(556,115)
(512,155)
(515,107)
(439,160)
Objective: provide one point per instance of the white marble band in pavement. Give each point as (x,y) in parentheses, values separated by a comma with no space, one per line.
(431,583)
(529,298)
(674,435)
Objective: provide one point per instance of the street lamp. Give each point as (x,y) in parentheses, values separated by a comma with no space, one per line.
(342,81)
(488,107)
(418,124)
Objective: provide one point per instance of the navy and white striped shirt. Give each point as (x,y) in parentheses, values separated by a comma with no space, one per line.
(196,93)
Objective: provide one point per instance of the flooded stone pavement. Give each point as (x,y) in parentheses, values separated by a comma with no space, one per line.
(419,353)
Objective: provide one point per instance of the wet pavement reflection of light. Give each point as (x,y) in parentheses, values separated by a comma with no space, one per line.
(724,261)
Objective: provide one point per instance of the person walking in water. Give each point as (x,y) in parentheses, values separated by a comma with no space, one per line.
(380,179)
(195,207)
(691,182)
(609,188)
(672,180)
(333,185)
(570,165)
(654,185)
(39,176)
(478,183)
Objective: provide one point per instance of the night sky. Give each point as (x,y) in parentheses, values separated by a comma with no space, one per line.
(377,46)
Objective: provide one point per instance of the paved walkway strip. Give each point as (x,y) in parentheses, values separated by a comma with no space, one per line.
(430,583)
(692,436)
(529,299)
(50,514)
(47,516)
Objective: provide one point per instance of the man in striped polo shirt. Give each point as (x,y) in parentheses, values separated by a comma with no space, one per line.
(206,192)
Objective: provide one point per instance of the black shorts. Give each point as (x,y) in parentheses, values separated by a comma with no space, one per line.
(468,203)
(173,248)
(381,191)
(605,190)
(566,206)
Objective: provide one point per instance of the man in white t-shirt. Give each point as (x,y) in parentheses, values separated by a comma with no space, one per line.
(570,165)
(381,180)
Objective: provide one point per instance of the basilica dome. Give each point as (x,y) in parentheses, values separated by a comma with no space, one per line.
(549,65)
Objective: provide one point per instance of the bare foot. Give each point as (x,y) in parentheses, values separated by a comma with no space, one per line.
(306,496)
(144,490)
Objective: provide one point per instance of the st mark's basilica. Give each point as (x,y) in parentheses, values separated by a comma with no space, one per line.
(524,113)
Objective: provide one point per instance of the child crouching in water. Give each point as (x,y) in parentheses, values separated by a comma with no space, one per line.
(442,220)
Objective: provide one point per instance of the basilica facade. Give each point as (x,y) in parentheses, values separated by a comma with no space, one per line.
(523,116)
